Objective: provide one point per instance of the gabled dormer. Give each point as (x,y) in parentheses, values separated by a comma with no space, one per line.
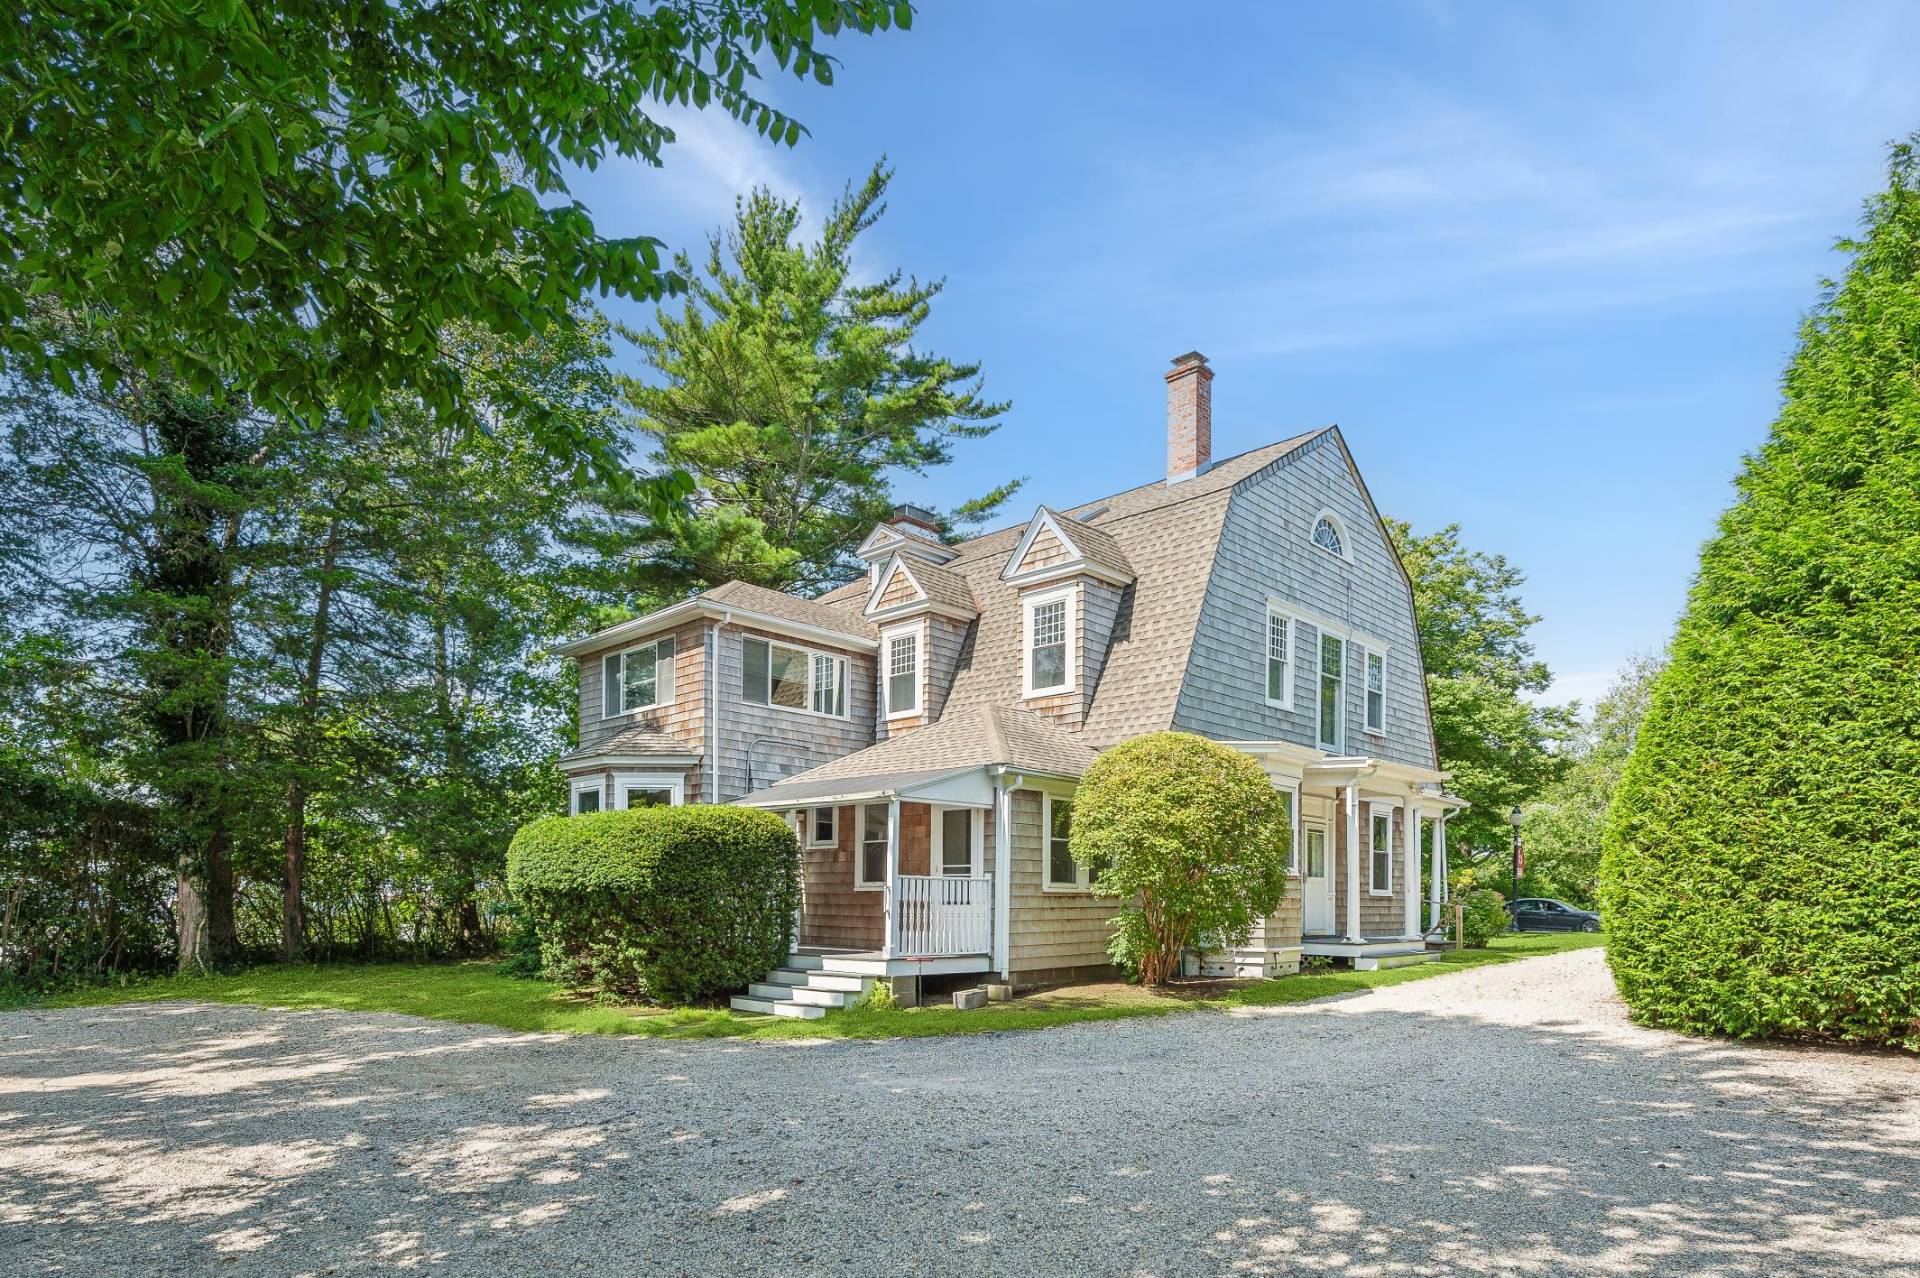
(923,611)
(1070,579)
(910,531)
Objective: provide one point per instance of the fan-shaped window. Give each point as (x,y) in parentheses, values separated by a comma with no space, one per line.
(1326,535)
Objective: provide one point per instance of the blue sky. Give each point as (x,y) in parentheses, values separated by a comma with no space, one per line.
(1541,265)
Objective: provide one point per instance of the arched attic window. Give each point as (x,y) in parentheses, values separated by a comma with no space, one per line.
(1328,536)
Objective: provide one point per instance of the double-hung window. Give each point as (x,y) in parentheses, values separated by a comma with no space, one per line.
(820,828)
(1064,874)
(1290,800)
(1279,660)
(870,863)
(1380,849)
(1376,691)
(637,679)
(778,674)
(902,655)
(587,793)
(1333,662)
(1048,646)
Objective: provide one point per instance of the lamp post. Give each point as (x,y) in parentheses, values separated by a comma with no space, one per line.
(1513,889)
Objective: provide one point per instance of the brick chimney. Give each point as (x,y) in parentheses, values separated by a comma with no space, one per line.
(1189,417)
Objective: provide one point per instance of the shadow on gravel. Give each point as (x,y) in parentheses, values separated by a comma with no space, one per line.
(1331,1139)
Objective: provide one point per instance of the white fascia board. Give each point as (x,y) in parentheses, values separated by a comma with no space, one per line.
(631,761)
(667,618)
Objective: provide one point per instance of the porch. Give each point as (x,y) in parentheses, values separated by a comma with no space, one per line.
(901,883)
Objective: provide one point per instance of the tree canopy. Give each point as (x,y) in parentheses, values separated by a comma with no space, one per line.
(792,392)
(1500,747)
(1762,859)
(289,203)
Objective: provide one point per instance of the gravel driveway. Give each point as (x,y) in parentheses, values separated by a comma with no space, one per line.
(1502,1120)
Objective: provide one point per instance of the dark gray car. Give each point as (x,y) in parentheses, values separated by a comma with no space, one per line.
(1539,914)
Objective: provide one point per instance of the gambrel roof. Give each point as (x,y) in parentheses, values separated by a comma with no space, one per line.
(1163,536)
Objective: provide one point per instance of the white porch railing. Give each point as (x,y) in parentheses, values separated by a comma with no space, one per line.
(937,914)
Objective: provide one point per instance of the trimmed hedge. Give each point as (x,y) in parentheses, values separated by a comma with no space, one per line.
(1761,873)
(670,904)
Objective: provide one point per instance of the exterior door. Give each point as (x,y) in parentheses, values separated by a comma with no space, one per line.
(1316,883)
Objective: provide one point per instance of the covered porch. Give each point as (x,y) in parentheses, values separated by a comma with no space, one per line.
(898,872)
(1359,827)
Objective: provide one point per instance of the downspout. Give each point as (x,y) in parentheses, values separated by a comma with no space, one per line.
(711,671)
(1003,869)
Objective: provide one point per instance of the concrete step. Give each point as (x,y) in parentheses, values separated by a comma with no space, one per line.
(835,981)
(787,976)
(1379,962)
(804,962)
(798,994)
(776,1007)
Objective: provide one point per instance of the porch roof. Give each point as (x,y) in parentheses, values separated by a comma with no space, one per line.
(962,742)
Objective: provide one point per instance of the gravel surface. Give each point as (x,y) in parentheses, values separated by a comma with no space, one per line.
(1505,1120)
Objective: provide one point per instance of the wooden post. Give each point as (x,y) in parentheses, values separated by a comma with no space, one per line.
(1459,927)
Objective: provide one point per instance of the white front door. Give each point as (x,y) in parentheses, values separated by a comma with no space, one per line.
(1316,883)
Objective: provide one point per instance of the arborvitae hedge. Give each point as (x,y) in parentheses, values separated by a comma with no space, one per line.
(1762,865)
(674,905)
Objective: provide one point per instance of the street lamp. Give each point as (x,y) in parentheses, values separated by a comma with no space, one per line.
(1513,889)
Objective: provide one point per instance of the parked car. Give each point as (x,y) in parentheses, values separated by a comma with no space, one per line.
(1538,914)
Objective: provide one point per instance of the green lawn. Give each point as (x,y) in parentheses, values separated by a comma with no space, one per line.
(474,993)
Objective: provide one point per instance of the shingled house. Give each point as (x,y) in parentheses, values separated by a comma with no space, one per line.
(924,727)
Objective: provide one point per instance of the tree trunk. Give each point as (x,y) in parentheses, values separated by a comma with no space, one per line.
(293,926)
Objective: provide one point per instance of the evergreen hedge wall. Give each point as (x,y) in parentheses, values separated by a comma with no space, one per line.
(1761,873)
(671,905)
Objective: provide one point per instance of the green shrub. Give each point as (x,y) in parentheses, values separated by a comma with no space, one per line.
(1483,916)
(1761,871)
(672,905)
(1192,839)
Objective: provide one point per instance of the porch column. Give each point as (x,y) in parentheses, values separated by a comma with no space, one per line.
(891,893)
(1003,878)
(1437,892)
(1410,891)
(1353,863)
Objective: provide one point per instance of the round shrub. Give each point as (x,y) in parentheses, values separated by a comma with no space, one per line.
(1483,916)
(1192,838)
(1761,871)
(671,905)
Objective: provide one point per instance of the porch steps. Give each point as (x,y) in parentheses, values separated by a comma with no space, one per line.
(801,988)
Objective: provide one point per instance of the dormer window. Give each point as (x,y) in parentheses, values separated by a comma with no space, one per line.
(1047,647)
(1328,536)
(901,653)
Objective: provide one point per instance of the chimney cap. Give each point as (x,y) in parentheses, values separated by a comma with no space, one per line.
(1190,358)
(906,513)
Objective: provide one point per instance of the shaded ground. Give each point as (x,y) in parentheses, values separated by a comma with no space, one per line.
(1500,1120)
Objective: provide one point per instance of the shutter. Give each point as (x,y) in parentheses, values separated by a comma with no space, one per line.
(663,671)
(753,671)
(610,686)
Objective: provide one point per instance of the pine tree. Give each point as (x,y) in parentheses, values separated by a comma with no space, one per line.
(791,392)
(1762,867)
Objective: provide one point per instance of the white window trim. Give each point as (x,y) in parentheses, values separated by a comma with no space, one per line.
(1083,883)
(845,663)
(1345,553)
(586,785)
(1294,856)
(1285,701)
(1375,810)
(1319,675)
(649,646)
(675,783)
(860,849)
(1367,655)
(936,860)
(918,631)
(1028,604)
(833,828)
